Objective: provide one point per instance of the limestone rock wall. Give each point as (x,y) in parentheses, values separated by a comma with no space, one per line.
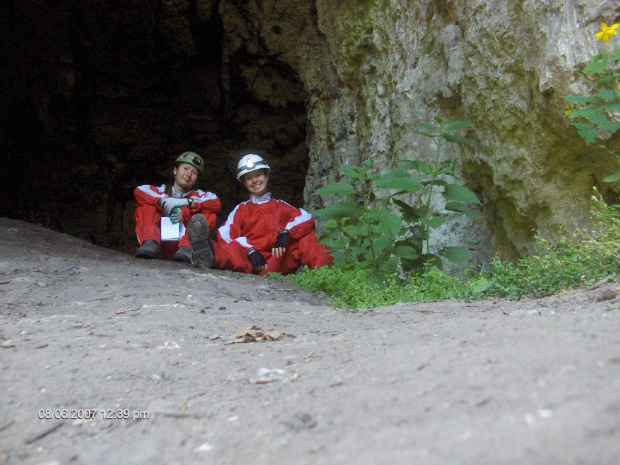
(502,65)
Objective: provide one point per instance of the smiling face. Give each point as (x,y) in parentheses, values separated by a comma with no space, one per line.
(185,177)
(256,182)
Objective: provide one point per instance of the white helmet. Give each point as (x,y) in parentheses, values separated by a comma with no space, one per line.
(249,163)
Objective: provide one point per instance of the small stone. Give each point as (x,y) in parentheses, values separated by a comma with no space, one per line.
(204,447)
(607,294)
(269,375)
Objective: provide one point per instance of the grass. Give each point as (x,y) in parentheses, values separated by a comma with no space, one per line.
(580,259)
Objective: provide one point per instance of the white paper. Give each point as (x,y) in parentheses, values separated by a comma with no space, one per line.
(169,231)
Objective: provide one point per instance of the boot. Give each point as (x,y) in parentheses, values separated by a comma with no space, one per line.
(149,249)
(198,234)
(183,255)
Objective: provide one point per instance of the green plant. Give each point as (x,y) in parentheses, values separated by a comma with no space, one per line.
(598,114)
(421,217)
(357,231)
(574,260)
(578,259)
(362,231)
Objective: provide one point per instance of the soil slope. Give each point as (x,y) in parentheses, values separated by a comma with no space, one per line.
(141,356)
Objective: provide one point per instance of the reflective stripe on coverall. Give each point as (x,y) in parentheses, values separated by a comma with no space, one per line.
(256,224)
(148,212)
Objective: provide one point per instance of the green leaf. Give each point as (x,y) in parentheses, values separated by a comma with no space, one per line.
(460,207)
(613,178)
(580,99)
(330,224)
(616,54)
(386,222)
(598,65)
(459,193)
(420,166)
(439,172)
(427,126)
(400,180)
(338,210)
(439,119)
(340,243)
(591,113)
(482,284)
(341,188)
(454,125)
(405,251)
(432,260)
(611,107)
(457,139)
(350,230)
(361,227)
(611,127)
(447,164)
(410,213)
(433,222)
(326,238)
(425,134)
(352,172)
(586,131)
(381,243)
(455,254)
(606,94)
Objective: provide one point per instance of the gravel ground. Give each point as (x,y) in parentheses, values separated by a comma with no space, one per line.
(107,359)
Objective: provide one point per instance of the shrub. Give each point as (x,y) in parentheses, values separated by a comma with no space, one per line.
(579,259)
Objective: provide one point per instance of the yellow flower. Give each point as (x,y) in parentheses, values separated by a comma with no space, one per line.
(568,111)
(606,32)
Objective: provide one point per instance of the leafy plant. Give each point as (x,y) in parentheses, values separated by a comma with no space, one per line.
(362,231)
(357,231)
(598,115)
(457,198)
(580,259)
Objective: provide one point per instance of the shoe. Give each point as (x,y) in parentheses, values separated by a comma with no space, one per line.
(301,269)
(198,234)
(183,255)
(149,249)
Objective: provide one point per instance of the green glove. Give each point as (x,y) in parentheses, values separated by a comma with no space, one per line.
(175,215)
(170,203)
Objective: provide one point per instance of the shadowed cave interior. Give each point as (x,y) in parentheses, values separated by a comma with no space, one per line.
(100,97)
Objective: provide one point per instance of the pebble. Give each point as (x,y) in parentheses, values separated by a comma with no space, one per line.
(204,447)
(523,313)
(269,375)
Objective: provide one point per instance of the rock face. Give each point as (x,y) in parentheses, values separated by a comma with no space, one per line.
(502,65)
(99,97)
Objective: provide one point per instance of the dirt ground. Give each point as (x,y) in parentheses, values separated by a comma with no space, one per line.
(107,359)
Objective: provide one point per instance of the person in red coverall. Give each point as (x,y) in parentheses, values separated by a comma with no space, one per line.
(179,200)
(264,234)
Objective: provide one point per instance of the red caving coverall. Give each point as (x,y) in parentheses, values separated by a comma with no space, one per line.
(256,224)
(149,213)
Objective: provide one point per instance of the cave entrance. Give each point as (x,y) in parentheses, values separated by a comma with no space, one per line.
(125,88)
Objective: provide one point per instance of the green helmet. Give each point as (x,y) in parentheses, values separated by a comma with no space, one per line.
(191,158)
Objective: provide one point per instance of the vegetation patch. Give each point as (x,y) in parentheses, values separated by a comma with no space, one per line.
(579,259)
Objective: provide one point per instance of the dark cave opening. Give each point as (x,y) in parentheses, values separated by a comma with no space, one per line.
(101,97)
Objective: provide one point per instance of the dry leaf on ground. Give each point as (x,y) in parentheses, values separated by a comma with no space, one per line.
(255,334)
